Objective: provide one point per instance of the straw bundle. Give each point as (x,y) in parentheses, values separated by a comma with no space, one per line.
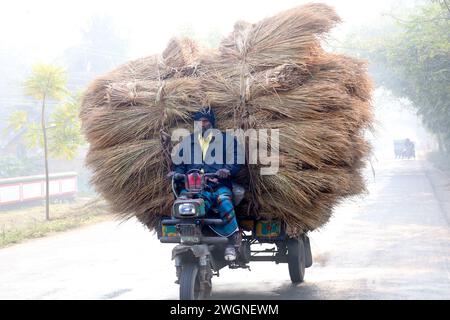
(272,74)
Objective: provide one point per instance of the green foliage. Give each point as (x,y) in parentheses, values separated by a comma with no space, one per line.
(65,130)
(411,56)
(33,136)
(11,166)
(46,82)
(17,120)
(445,4)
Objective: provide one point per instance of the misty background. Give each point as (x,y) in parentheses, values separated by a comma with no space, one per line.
(89,38)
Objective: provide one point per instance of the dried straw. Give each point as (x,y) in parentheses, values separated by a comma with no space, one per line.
(271,74)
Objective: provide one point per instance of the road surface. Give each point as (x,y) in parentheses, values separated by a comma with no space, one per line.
(391,244)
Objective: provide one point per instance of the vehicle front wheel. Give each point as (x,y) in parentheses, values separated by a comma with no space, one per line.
(296,259)
(190,286)
(189,282)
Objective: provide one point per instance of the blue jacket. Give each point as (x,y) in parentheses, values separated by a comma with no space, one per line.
(234,167)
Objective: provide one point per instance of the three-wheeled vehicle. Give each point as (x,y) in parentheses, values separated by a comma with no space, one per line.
(404,149)
(200,253)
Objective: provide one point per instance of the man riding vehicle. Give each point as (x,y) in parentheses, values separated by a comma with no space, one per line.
(218,194)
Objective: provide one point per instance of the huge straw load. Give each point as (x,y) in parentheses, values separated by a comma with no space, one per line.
(273,74)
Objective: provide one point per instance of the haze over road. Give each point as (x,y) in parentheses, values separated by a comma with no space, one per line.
(391,244)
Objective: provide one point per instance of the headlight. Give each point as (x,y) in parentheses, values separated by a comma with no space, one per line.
(186,209)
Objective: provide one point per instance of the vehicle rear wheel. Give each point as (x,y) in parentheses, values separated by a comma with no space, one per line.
(296,259)
(308,254)
(190,286)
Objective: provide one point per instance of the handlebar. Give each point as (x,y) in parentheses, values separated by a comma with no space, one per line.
(182,175)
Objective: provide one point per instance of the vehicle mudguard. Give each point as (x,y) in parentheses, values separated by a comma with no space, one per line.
(197,251)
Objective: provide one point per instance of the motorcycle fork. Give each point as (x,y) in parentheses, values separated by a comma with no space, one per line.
(205,272)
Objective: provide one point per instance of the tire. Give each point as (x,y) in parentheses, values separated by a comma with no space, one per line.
(308,254)
(189,282)
(190,288)
(296,259)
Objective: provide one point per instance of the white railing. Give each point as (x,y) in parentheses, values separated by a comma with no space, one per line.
(24,189)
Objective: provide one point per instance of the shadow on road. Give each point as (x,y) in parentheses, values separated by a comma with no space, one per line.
(288,291)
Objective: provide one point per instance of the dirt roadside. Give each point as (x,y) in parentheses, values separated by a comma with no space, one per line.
(439,178)
(22,224)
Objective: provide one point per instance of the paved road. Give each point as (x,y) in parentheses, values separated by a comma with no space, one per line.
(392,244)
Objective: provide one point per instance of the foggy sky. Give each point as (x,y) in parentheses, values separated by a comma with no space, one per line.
(40,31)
(45,28)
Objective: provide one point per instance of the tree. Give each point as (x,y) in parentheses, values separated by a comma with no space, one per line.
(100,50)
(13,166)
(45,83)
(411,56)
(65,133)
(444,3)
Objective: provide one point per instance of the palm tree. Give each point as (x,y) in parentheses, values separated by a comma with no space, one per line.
(46,82)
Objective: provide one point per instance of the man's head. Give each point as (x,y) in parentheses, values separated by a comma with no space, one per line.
(207,118)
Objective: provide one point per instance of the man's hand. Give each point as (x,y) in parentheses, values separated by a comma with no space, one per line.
(213,180)
(175,175)
(223,173)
